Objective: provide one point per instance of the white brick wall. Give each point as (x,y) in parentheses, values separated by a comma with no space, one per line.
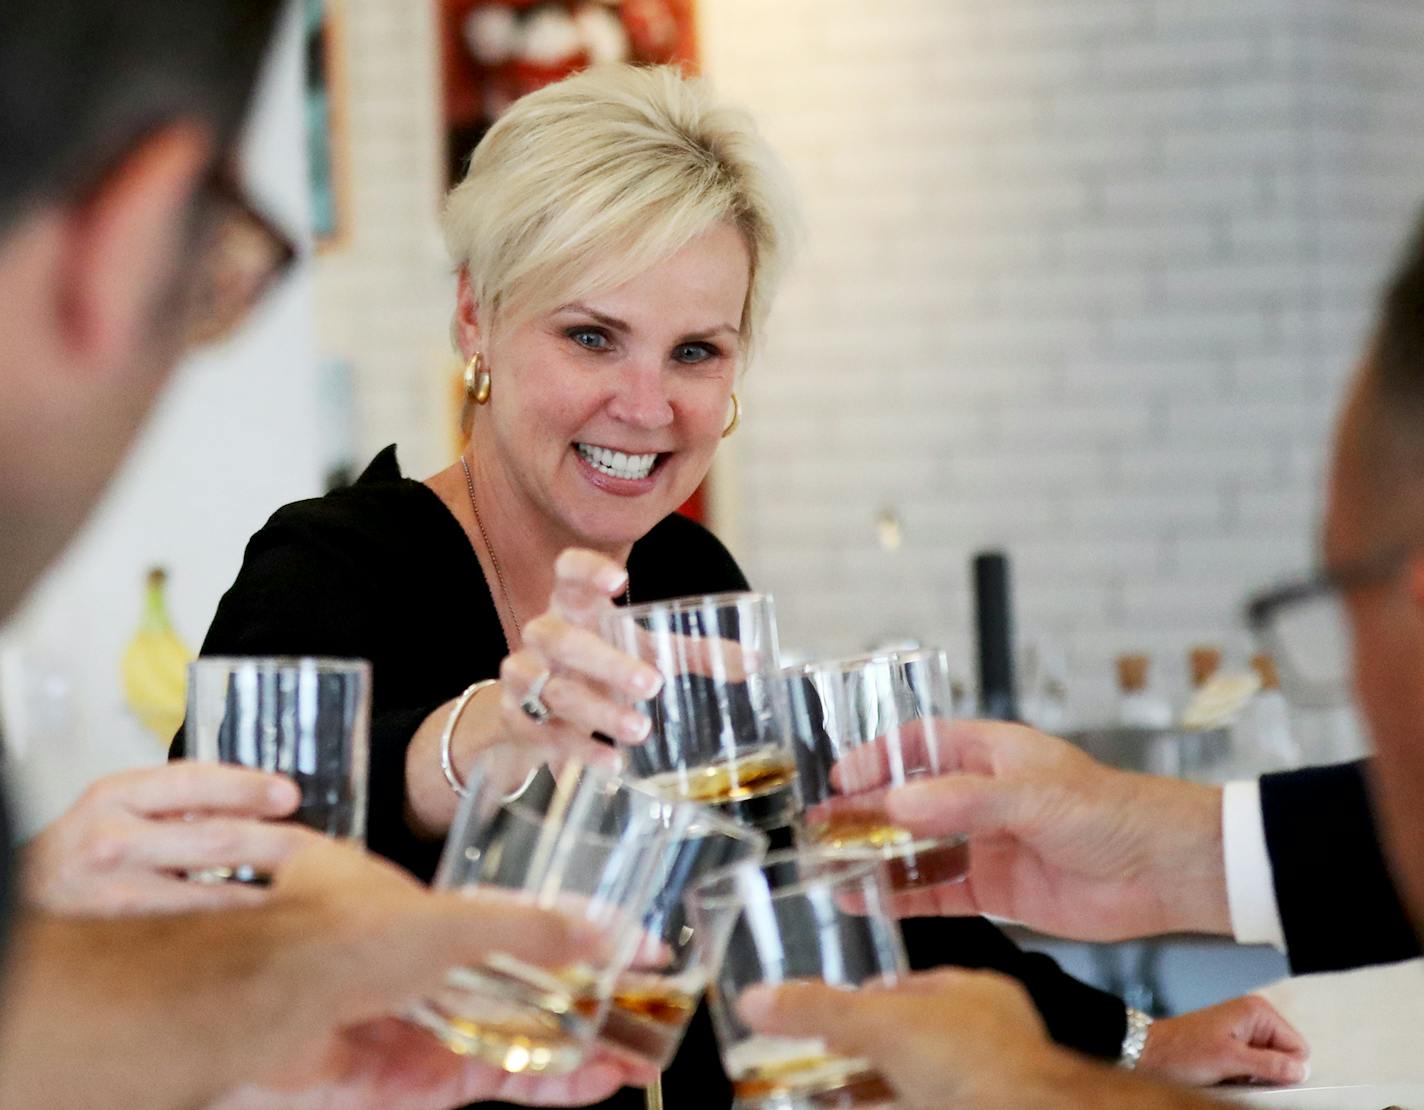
(1082,278)
(1092,272)
(385,294)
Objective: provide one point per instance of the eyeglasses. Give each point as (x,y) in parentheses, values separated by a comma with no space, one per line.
(243,255)
(1305,626)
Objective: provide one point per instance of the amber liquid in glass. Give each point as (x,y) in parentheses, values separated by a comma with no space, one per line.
(909,863)
(516,1047)
(515,1017)
(756,787)
(646,1019)
(773,1068)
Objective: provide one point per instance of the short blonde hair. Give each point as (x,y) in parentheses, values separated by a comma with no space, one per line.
(595,179)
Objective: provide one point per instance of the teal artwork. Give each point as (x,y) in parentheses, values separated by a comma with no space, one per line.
(322,164)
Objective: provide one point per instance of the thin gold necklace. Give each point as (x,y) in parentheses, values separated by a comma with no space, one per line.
(494,559)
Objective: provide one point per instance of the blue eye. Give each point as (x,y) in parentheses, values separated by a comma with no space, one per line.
(692,353)
(590,339)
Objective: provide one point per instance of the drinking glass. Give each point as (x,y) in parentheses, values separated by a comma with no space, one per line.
(306,718)
(798,915)
(719,720)
(573,838)
(861,726)
(651,1006)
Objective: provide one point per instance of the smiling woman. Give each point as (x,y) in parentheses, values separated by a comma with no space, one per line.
(604,413)
(616,242)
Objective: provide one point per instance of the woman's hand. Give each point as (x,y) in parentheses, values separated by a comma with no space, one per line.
(124,846)
(587,691)
(584,681)
(1244,1039)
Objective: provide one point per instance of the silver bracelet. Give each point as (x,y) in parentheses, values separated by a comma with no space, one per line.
(1135,1040)
(447,764)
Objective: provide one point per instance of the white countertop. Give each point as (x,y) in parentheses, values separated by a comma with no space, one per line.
(1366,1033)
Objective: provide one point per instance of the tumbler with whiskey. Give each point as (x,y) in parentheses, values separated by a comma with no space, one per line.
(653,1001)
(573,838)
(719,726)
(861,727)
(798,915)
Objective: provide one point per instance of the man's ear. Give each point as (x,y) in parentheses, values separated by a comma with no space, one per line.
(124,244)
(467,318)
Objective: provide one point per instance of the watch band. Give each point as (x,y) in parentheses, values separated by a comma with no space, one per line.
(1135,1040)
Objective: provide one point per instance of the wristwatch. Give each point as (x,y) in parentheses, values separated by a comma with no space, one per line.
(1135,1040)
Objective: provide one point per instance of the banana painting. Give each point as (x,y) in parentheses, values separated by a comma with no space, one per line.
(154,666)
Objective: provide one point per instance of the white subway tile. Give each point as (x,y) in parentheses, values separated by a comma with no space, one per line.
(1084,279)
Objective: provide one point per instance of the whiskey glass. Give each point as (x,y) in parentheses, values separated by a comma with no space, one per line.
(573,838)
(652,1005)
(798,915)
(719,732)
(860,727)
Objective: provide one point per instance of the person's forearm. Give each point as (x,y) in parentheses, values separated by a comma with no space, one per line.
(1075,1083)
(152,1012)
(1182,845)
(430,801)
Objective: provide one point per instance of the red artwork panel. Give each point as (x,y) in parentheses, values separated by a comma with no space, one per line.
(495,51)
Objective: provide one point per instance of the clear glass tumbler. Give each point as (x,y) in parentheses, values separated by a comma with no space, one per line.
(798,915)
(652,1005)
(719,732)
(573,838)
(307,718)
(861,726)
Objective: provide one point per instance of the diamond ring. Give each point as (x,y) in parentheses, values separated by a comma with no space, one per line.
(532,704)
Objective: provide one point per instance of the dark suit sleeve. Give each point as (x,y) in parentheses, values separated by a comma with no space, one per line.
(1338,904)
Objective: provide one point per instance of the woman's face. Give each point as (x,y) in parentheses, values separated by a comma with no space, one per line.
(605,413)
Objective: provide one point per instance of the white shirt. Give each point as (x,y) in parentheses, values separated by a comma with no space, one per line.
(1250,882)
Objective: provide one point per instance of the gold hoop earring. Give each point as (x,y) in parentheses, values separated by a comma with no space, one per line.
(736,416)
(477,380)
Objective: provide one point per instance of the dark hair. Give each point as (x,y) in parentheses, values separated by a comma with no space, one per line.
(81,81)
(1397,361)
(1383,431)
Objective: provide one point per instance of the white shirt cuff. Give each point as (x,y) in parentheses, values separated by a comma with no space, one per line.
(1250,882)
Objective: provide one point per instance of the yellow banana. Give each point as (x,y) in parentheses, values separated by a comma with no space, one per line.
(155,665)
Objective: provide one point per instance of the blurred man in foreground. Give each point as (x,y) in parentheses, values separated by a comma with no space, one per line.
(123,238)
(1078,849)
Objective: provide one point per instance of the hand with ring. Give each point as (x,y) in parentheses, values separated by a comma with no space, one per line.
(532,704)
(566,683)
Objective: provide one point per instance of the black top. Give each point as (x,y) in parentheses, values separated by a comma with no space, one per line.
(382,571)
(1339,907)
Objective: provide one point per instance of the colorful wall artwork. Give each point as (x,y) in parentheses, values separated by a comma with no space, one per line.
(326,120)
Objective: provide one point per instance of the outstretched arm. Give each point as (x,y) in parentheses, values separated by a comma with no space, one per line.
(172,1011)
